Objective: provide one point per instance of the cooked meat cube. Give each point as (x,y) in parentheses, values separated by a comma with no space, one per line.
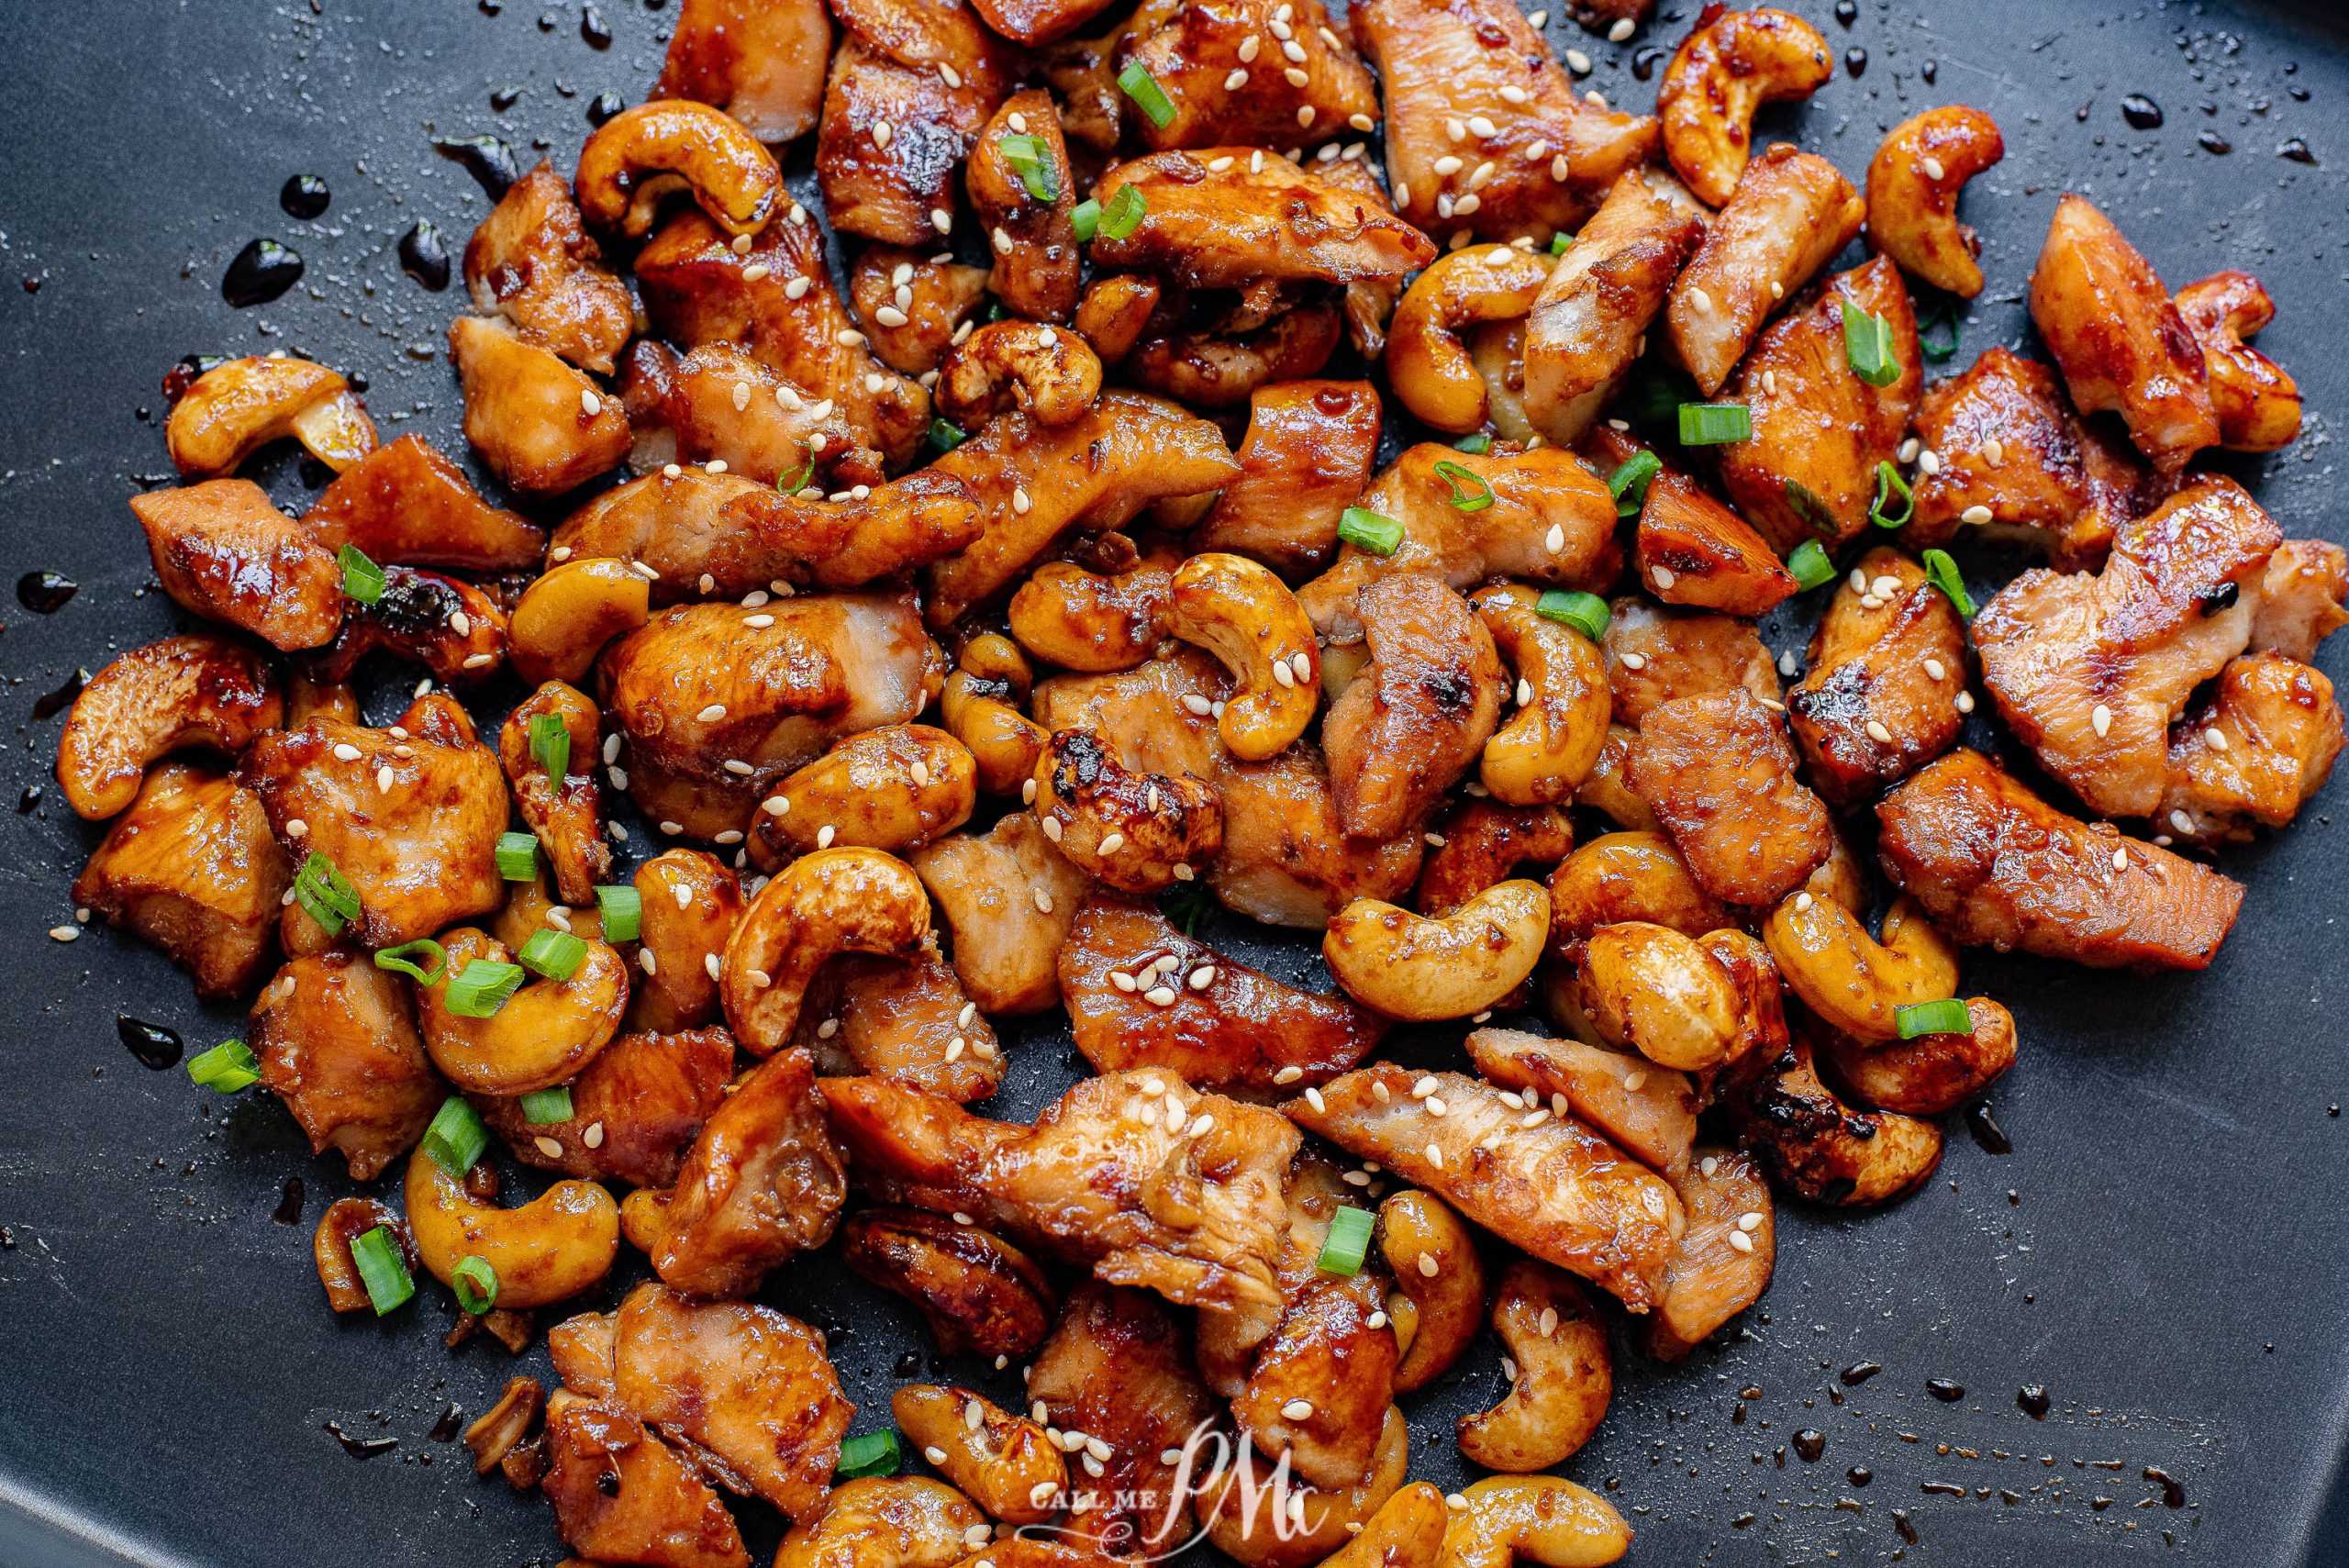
(2301,598)
(177,692)
(1197,353)
(1308,454)
(641,1100)
(912,86)
(1592,316)
(1484,843)
(759,60)
(1418,714)
(2254,754)
(1147,716)
(542,425)
(2091,672)
(567,813)
(1650,1110)
(1207,60)
(621,1494)
(1287,859)
(1231,217)
(1333,1352)
(1032,232)
(1711,1278)
(1994,865)
(337,1043)
(1010,898)
(224,553)
(1655,656)
(532,261)
(1789,214)
(1886,670)
(406,505)
(911,303)
(723,404)
(1690,550)
(1718,773)
(907,1019)
(2257,403)
(976,1291)
(1817,1148)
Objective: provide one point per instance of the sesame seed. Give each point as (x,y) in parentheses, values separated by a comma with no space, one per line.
(1233,83)
(1634,1080)
(1994,451)
(1313,1098)
(589,403)
(1699,299)
(824,837)
(65,933)
(1907,452)
(1026,792)
(1043,902)
(1524,692)
(2120,859)
(1447,165)
(1021,503)
(1934,668)
(646,961)
(1483,127)
(1635,661)
(1932,167)
(1435,1157)
(1623,29)
(1298,1410)
(758,622)
(890,316)
(1929,461)
(1513,95)
(1290,1075)
(1558,168)
(2100,720)
(1360,122)
(849,338)
(1577,63)
(1248,48)
(346,752)
(618,777)
(1803,901)
(671,829)
(2217,739)
(935,1455)
(712,714)
(1877,732)
(1281,673)
(882,132)
(1965,701)
(1740,1241)
(1556,537)
(709,964)
(1202,977)
(1294,50)
(1052,828)
(1884,586)
(1304,120)
(796,288)
(593,1135)
(1435,1105)
(1160,996)
(2181,821)
(952,77)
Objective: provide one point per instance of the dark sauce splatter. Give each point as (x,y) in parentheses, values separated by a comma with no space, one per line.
(1942,1389)
(304,196)
(424,255)
(505,98)
(1942,1489)
(1931,71)
(289,1202)
(2296,150)
(909,1364)
(261,271)
(1900,1523)
(361,1448)
(594,29)
(2031,1400)
(1859,1372)
(1859,1475)
(2141,112)
(1986,1130)
(451,1422)
(2212,142)
(2173,1489)
(51,703)
(1847,11)
(44,592)
(1645,61)
(29,801)
(1855,60)
(486,158)
(157,1047)
(603,106)
(1811,1443)
(185,373)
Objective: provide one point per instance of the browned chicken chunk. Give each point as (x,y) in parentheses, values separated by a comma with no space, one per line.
(192,868)
(564,806)
(2252,754)
(912,305)
(1232,217)
(976,1291)
(451,627)
(1287,859)
(912,86)
(406,503)
(1420,712)
(542,425)
(531,261)
(621,1494)
(1789,214)
(1690,550)
(1216,64)
(338,1044)
(1026,209)
(1888,663)
(1718,773)
(1655,656)
(225,553)
(2257,403)
(640,1102)
(2301,598)
(759,60)
(1310,452)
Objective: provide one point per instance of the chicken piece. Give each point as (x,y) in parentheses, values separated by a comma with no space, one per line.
(1419,715)
(2017,465)
(1718,773)
(689,903)
(542,427)
(723,404)
(1651,1111)
(1010,898)
(1033,230)
(748,1388)
(976,1291)
(912,86)
(1810,470)
(1213,358)
(2122,345)
(905,1020)
(1035,483)
(1230,93)
(2091,671)
(911,305)
(643,1099)
(1731,64)
(1886,670)
(411,820)
(1476,65)
(1484,843)
(1334,1352)
(224,553)
(1287,859)
(531,260)
(1712,1278)
(337,1043)
(1655,656)
(1996,866)
(621,1494)
(1097,622)
(567,813)
(777,300)
(1690,548)
(1151,1202)
(1229,218)
(1191,1011)
(406,505)
(451,627)
(1555,1188)
(2256,401)
(1310,452)
(2252,754)
(191,867)
(1790,213)
(1538,517)
(1156,718)
(2301,598)
(759,60)
(761,1184)
(1592,316)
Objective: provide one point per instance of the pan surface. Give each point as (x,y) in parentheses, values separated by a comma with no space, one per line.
(2161,1252)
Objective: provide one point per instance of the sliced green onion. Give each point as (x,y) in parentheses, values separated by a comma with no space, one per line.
(1889,483)
(944,436)
(482,987)
(325,895)
(545,1107)
(1474,446)
(226,1068)
(1349,1239)
(1867,343)
(1653,400)
(1124,213)
(1942,574)
(1810,565)
(799,481)
(1587,613)
(1943,317)
(518,856)
(1086,218)
(550,745)
(555,954)
(1139,85)
(1715,424)
(456,1138)
(1452,474)
(875,1454)
(382,1269)
(401,960)
(1561,243)
(475,1283)
(1948,1016)
(1809,507)
(1032,159)
(1629,483)
(623,911)
(363,580)
(1366,530)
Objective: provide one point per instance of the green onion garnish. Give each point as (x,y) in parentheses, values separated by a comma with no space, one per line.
(401,960)
(484,986)
(363,580)
(545,1107)
(795,483)
(1867,343)
(325,895)
(1942,573)
(1087,218)
(1032,162)
(1124,213)
(555,954)
(1561,243)
(1809,507)
(623,911)
(1715,424)
(1474,446)
(1366,530)
(518,856)
(875,1454)
(550,745)
(1943,317)
(1348,1241)
(1948,1016)
(944,436)
(456,1138)
(1629,483)
(226,1068)
(475,1283)
(382,1269)
(1810,565)
(1888,484)
(1139,85)
(1453,473)
(1587,613)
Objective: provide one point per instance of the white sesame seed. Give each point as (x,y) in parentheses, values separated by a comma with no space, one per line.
(1932,167)
(1513,95)
(1635,661)
(383,780)
(1803,901)
(2181,821)
(709,964)
(1699,299)
(952,77)
(1556,537)
(1907,452)
(1934,668)
(1304,120)
(2217,739)
(1298,1410)
(2100,720)
(849,338)
(65,933)
(2120,859)
(1623,29)
(1559,168)
(1027,792)
(346,752)
(1435,1157)
(1634,1080)
(1877,732)
(712,714)
(796,288)
(589,402)
(890,316)
(1929,461)
(1021,503)
(1740,1241)
(1293,50)
(646,961)
(1965,703)
(1663,578)
(1886,586)
(1043,902)
(1577,63)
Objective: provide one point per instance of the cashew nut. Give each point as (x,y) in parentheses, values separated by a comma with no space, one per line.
(1562,1379)
(1761,1001)
(237,408)
(640,155)
(1439,1301)
(1408,966)
(1852,982)
(1933,1072)
(1721,75)
(1247,617)
(1628,876)
(2257,403)
(183,690)
(1006,1462)
(895,788)
(1605,790)
(832,902)
(1544,752)
(345,1221)
(1913,181)
(550,1248)
(563,618)
(1131,830)
(1235,1504)
(1095,621)
(1648,988)
(1539,1518)
(1050,372)
(1817,1148)
(543,1035)
(691,902)
(1426,362)
(980,707)
(897,1521)
(1407,1532)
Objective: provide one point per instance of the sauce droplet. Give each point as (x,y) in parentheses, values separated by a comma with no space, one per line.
(1847,11)
(156,1047)
(1645,61)
(2031,1400)
(44,592)
(594,29)
(424,255)
(1900,1523)
(1859,1372)
(261,271)
(1859,1475)
(1986,1131)
(486,158)
(51,703)
(2212,142)
(603,106)
(29,801)
(289,1202)
(1855,60)
(1811,1443)
(2296,150)
(451,1422)
(304,196)
(361,1448)
(2173,1489)
(1942,1389)
(2142,112)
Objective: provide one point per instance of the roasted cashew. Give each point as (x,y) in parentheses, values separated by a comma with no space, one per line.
(1913,181)
(1933,1072)
(640,155)
(565,619)
(1247,617)
(1005,1463)
(1536,1518)
(236,408)
(895,788)
(1852,982)
(2258,403)
(1095,621)
(1407,966)
(1721,75)
(345,1221)
(1563,1372)
(1427,365)
(1237,1506)
(1113,311)
(832,902)
(1439,1301)
(896,1521)
(1407,1532)
(1628,876)
(1648,988)
(1605,790)
(550,1249)
(690,903)
(980,707)
(1138,832)
(193,690)
(543,1035)
(1817,1148)
(1049,371)
(1545,751)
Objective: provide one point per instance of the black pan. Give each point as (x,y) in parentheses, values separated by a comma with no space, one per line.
(2161,1252)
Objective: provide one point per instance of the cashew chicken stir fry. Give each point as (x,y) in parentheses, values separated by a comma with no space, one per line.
(957,631)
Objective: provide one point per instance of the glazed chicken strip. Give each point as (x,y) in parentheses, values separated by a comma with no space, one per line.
(1552,1185)
(1592,316)
(1718,773)
(338,1044)
(1308,454)
(531,260)
(643,1100)
(1218,67)
(405,503)
(621,1494)
(1996,866)
(1112,1174)
(1657,655)
(1691,550)
(975,1291)
(1651,1111)
(2256,402)
(759,60)
(2252,754)
(1287,859)
(224,553)
(1888,663)
(1789,214)
(1418,714)
(1234,218)
(1031,230)
(912,86)
(542,427)
(911,303)
(721,407)
(565,812)
(2301,598)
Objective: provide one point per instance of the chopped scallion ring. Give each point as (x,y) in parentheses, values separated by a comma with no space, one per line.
(1629,483)
(1942,574)
(1087,218)
(1124,213)
(623,911)
(1452,474)
(1888,484)
(475,1283)
(382,1269)
(1810,565)
(226,1068)
(363,580)
(1948,1016)
(944,436)
(1715,424)
(545,1107)
(401,960)
(551,746)
(325,894)
(1943,317)
(1587,613)
(1561,243)
(456,1138)
(1474,446)
(1867,344)
(518,856)
(1366,530)
(1139,84)
(875,1454)
(555,954)
(484,986)
(1032,159)
(1809,507)
(1348,1241)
